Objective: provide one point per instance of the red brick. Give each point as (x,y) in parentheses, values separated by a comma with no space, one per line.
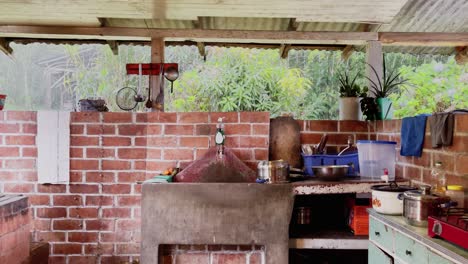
(82,236)
(229,258)
(10,128)
(115,165)
(84,141)
(424,160)
(154,129)
(100,129)
(254,117)
(76,152)
(228,117)
(116,212)
(461,164)
(353,126)
(116,141)
(54,212)
(84,164)
(97,176)
(39,199)
(20,164)
(76,176)
(238,129)
(99,225)
(321,125)
(252,142)
(67,224)
(413,173)
(261,154)
(112,117)
(243,154)
(142,118)
(51,188)
(20,140)
(178,129)
(67,200)
(178,154)
(9,152)
(159,165)
(131,176)
(132,153)
(447,159)
(162,117)
(66,248)
(231,141)
(153,153)
(133,130)
(99,249)
(459,144)
(141,141)
(193,142)
(116,188)
(259,129)
(193,117)
(57,260)
(29,152)
(50,236)
(310,138)
(134,200)
(119,237)
(82,259)
(99,200)
(76,129)
(128,225)
(204,130)
(255,258)
(85,117)
(139,165)
(84,188)
(41,224)
(94,153)
(83,212)
(200,152)
(461,123)
(21,115)
(9,176)
(338,139)
(114,259)
(18,187)
(162,141)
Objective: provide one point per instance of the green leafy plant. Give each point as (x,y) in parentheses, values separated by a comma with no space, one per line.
(348,86)
(388,84)
(369,108)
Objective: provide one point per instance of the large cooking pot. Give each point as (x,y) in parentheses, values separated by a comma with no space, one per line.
(385,198)
(419,204)
(276,171)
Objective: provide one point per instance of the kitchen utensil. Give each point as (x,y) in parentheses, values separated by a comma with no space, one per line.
(330,172)
(149,102)
(307,149)
(276,171)
(303,215)
(385,198)
(419,204)
(452,226)
(171,75)
(285,141)
(322,144)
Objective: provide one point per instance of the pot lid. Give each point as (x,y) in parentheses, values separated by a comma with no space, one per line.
(422,194)
(392,187)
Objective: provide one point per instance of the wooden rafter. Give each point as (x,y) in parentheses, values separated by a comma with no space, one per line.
(347,51)
(201,49)
(424,39)
(284,50)
(293,24)
(462,55)
(5,47)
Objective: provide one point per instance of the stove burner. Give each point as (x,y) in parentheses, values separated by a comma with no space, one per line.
(451,225)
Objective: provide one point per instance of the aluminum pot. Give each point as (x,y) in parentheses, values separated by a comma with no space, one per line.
(276,171)
(419,204)
(386,198)
(330,172)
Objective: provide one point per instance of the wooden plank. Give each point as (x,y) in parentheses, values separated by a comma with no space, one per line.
(435,39)
(347,51)
(293,25)
(374,57)
(201,49)
(53,146)
(462,55)
(284,50)
(5,47)
(113,45)
(203,35)
(157,81)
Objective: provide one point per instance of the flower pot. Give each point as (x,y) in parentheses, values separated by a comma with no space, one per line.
(2,101)
(386,109)
(349,108)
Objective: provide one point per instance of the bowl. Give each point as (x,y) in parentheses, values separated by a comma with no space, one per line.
(330,172)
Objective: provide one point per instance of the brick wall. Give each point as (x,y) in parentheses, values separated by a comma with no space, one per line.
(96,218)
(14,229)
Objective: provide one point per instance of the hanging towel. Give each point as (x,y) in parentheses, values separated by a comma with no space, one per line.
(441,129)
(412,135)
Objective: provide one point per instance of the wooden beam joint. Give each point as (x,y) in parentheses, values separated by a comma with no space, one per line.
(461,56)
(201,49)
(114,46)
(5,47)
(284,50)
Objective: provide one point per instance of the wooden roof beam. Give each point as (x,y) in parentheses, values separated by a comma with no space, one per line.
(114,46)
(284,50)
(462,55)
(431,39)
(293,25)
(201,49)
(5,47)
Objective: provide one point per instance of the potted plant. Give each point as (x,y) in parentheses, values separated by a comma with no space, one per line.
(349,96)
(383,88)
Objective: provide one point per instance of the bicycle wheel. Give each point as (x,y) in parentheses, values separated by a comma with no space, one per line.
(125,98)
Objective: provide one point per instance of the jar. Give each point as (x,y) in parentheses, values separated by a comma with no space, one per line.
(457,194)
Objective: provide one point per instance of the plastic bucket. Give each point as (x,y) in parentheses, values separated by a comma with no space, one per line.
(375,156)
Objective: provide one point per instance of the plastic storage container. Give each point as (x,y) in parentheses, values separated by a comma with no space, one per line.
(319,160)
(374,157)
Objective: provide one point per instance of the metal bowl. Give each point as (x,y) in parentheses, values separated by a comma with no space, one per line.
(330,172)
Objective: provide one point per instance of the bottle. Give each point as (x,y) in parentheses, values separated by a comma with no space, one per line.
(438,177)
(219,137)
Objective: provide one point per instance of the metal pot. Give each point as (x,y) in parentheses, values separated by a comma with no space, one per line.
(330,172)
(419,204)
(276,171)
(386,198)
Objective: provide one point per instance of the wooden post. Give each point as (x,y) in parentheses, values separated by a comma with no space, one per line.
(374,57)
(157,81)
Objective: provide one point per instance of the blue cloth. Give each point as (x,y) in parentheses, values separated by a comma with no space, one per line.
(413,130)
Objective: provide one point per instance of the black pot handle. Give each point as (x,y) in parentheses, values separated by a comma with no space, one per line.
(400,196)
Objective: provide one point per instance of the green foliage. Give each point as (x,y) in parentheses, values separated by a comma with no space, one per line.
(386,85)
(432,87)
(348,86)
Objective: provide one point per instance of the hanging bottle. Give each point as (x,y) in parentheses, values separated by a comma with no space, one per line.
(438,177)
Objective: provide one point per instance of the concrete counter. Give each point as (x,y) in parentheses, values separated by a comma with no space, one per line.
(354,185)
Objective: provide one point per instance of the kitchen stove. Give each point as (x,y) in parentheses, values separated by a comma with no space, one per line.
(452,226)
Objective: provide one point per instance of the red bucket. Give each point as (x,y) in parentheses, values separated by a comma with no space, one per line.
(2,100)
